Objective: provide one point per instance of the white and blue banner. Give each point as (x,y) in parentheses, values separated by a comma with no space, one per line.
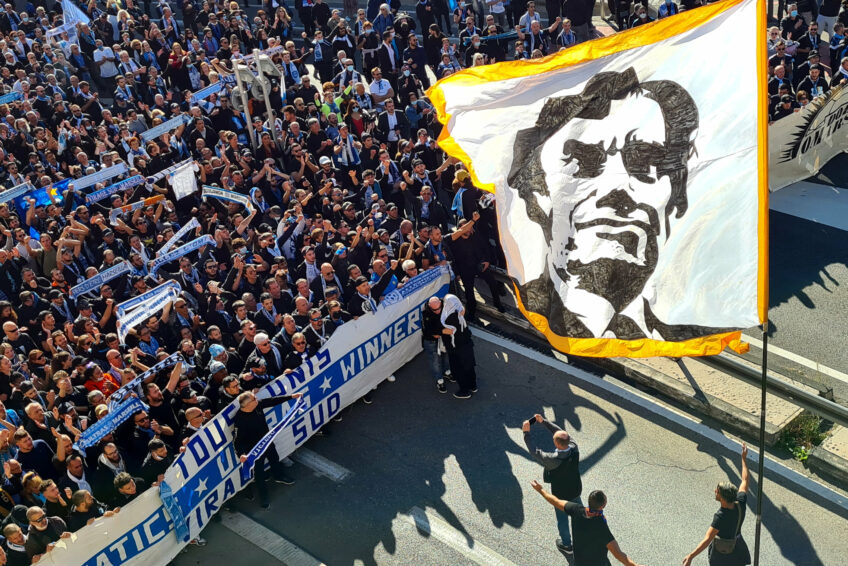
(105,192)
(113,419)
(206,92)
(167,171)
(99,177)
(270,51)
(204,240)
(130,208)
(16,192)
(265,442)
(224,194)
(130,304)
(172,241)
(360,354)
(164,127)
(100,279)
(145,310)
(10,97)
(72,14)
(131,386)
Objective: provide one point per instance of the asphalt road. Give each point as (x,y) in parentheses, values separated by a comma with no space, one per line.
(464,464)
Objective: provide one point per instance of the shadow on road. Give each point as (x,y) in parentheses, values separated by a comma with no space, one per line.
(792,267)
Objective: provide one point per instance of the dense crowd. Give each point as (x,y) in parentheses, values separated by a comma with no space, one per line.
(350,197)
(799,50)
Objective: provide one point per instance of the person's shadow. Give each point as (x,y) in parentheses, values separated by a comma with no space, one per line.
(418,450)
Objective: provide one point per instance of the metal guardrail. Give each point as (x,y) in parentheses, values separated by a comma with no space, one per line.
(776,385)
(782,388)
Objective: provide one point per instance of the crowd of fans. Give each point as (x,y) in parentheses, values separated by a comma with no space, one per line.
(350,198)
(799,50)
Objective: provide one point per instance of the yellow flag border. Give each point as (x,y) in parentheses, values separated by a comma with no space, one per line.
(602,47)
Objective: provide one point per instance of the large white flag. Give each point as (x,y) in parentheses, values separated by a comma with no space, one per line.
(629,180)
(73,14)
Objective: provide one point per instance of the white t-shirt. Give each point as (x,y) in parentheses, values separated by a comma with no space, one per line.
(380,88)
(108,69)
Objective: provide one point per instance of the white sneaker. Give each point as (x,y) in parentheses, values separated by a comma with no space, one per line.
(391,378)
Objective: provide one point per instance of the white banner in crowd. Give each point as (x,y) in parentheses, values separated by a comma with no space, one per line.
(167,171)
(184,180)
(801,144)
(164,127)
(100,176)
(172,241)
(144,306)
(224,194)
(361,354)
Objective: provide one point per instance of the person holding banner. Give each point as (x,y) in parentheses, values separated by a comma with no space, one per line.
(249,427)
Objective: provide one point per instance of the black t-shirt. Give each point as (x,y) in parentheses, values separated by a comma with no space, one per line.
(725,520)
(591,537)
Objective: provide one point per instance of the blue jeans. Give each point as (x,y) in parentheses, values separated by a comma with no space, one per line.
(437,361)
(562,524)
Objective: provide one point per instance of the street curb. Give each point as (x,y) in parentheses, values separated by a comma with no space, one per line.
(827,463)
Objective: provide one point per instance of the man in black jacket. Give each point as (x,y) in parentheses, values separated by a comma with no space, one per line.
(561,471)
(427,211)
(249,426)
(472,259)
(44,531)
(392,126)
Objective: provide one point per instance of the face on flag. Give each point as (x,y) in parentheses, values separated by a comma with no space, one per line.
(630,202)
(601,173)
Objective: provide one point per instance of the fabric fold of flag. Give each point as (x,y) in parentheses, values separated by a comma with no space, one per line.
(631,187)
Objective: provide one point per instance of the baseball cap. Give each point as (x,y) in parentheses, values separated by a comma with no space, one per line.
(461,175)
(324,160)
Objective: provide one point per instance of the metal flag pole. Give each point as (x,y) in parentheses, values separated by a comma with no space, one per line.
(761,463)
(261,69)
(244,101)
(762,300)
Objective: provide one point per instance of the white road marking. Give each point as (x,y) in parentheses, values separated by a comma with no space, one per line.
(434,526)
(321,465)
(800,360)
(283,550)
(621,391)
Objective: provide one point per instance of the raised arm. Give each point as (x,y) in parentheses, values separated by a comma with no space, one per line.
(550,498)
(743,485)
(466,227)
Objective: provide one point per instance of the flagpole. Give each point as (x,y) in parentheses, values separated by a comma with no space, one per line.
(764,12)
(761,463)
(245,103)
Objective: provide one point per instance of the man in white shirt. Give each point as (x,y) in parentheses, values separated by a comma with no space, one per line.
(498,11)
(104,59)
(381,89)
(529,17)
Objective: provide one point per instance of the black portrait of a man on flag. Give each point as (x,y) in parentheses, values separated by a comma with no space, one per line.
(630,185)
